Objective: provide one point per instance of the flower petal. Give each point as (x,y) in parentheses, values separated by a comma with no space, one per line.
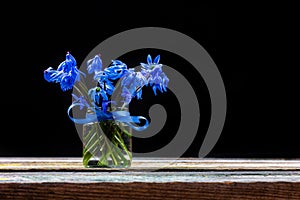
(149,59)
(156,60)
(154,89)
(146,66)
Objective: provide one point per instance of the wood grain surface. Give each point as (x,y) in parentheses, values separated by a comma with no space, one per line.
(189,178)
(150,164)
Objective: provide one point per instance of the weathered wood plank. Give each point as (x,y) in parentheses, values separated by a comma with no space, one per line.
(163,178)
(158,177)
(155,191)
(151,164)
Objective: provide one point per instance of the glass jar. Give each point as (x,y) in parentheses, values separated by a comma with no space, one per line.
(107,144)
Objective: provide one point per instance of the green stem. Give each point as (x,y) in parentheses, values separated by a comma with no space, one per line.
(83,87)
(78,90)
(108,143)
(122,143)
(120,153)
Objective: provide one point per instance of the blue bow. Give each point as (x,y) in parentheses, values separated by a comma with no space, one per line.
(120,116)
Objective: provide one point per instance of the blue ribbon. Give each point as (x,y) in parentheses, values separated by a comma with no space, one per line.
(120,116)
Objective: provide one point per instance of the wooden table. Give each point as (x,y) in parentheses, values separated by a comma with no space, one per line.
(150,178)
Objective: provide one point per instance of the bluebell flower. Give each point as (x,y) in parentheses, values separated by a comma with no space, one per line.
(100,94)
(151,64)
(66,74)
(133,82)
(94,65)
(156,78)
(68,64)
(104,89)
(95,95)
(116,70)
(104,83)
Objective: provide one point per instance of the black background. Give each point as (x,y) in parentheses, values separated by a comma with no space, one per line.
(254,47)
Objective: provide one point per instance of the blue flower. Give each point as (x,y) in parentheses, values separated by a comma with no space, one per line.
(94,65)
(94,94)
(104,89)
(66,74)
(151,64)
(156,78)
(116,70)
(133,82)
(68,64)
(104,82)
(100,93)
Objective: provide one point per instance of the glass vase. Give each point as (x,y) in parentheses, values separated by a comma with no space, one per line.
(107,144)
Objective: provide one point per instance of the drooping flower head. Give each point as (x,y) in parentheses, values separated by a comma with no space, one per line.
(66,73)
(156,78)
(116,70)
(132,84)
(95,94)
(67,65)
(94,65)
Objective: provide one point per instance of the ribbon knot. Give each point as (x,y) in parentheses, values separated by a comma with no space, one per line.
(119,116)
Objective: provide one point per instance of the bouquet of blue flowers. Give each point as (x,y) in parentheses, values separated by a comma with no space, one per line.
(107,123)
